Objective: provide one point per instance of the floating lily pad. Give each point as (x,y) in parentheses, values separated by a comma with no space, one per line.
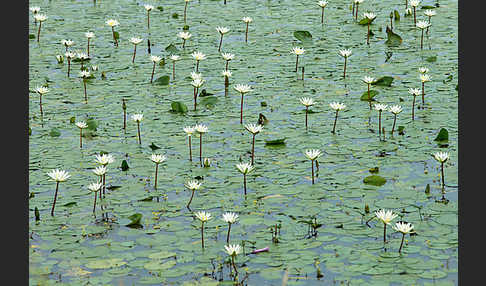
(374,180)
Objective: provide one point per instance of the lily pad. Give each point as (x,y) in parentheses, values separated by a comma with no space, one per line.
(163,80)
(178,106)
(304,36)
(374,180)
(383,81)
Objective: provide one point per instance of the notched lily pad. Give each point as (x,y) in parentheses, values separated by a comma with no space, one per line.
(383,81)
(394,40)
(135,220)
(163,80)
(172,49)
(374,180)
(304,36)
(442,138)
(280,141)
(364,96)
(178,107)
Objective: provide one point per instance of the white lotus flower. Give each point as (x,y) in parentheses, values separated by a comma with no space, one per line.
(94,187)
(395,109)
(345,53)
(198,56)
(67,43)
(233,250)
(306,101)
(441,157)
(226,73)
(135,40)
(253,128)
(198,82)
(403,227)
(137,117)
(100,170)
(59,175)
(34,9)
(370,16)
(245,168)
(70,55)
(313,154)
(148,7)
(423,24)
(112,23)
(89,35)
(193,185)
(184,35)
(386,216)
(155,59)
(41,90)
(203,216)
(84,74)
(104,159)
(230,217)
(414,91)
(297,51)
(430,13)
(322,4)
(414,3)
(201,128)
(40,17)
(380,107)
(423,70)
(175,57)
(222,30)
(227,56)
(157,158)
(81,124)
(368,79)
(337,106)
(425,77)
(189,130)
(247,19)
(242,88)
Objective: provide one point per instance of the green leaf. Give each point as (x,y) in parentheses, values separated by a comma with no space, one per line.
(400,130)
(394,40)
(72,119)
(31,36)
(365,21)
(383,81)
(431,59)
(175,15)
(443,137)
(364,96)
(374,170)
(160,8)
(427,7)
(374,180)
(153,146)
(70,204)
(30,131)
(117,35)
(163,80)
(209,101)
(178,107)
(37,214)
(124,165)
(303,36)
(134,219)
(54,132)
(427,189)
(279,141)
(171,49)
(185,28)
(92,124)
(397,15)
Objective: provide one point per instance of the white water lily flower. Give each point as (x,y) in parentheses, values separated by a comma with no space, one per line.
(226,73)
(253,128)
(424,77)
(67,43)
(414,91)
(403,227)
(337,106)
(94,68)
(40,17)
(313,154)
(82,56)
(175,57)
(322,4)
(430,13)
(423,70)
(198,56)
(242,88)
(193,185)
(297,51)
(441,157)
(81,124)
(200,128)
(137,117)
(198,82)
(60,58)
(368,79)
(112,23)
(247,19)
(100,170)
(155,59)
(233,250)
(148,7)
(358,1)
(184,35)
(203,216)
(370,16)
(89,35)
(306,101)
(414,3)
(104,159)
(245,168)
(345,53)
(34,9)
(94,187)
(59,175)
(222,30)
(195,75)
(189,130)
(135,40)
(380,107)
(84,74)
(227,56)
(70,55)
(41,90)
(423,24)
(230,217)
(408,11)
(207,162)
(395,109)
(157,158)
(386,216)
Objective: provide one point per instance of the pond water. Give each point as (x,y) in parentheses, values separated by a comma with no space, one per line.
(77,248)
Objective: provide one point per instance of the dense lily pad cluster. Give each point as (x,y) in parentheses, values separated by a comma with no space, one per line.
(159,227)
